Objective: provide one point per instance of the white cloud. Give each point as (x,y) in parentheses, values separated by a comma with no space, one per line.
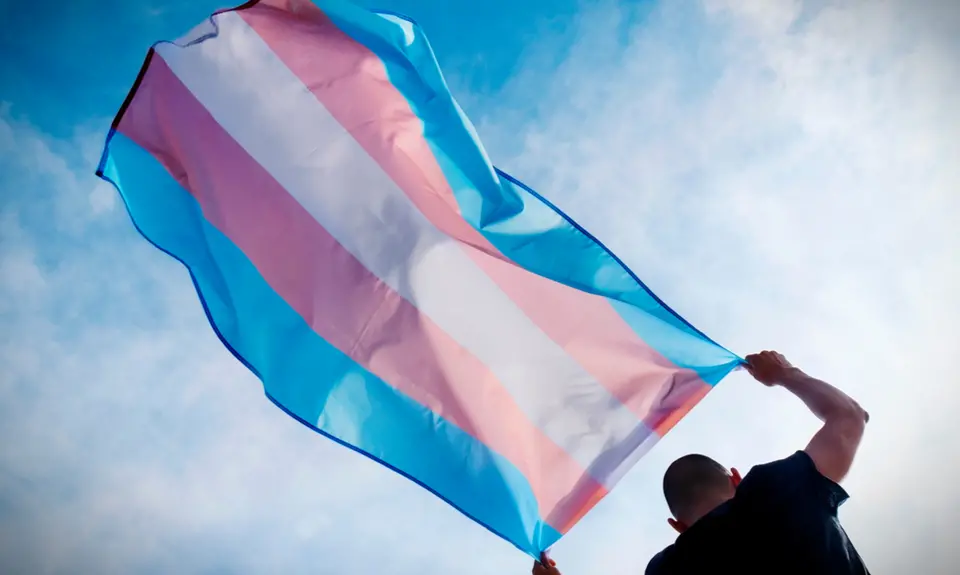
(19,274)
(784,173)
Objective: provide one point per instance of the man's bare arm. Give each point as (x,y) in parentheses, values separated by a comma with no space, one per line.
(833,448)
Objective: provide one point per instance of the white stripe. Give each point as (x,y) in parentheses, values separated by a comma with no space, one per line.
(269,112)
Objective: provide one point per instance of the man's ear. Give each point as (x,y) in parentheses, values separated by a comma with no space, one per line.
(677,525)
(735,476)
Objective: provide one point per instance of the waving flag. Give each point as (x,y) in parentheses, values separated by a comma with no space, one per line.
(355,248)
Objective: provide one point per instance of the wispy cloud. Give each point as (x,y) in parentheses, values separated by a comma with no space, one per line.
(786,174)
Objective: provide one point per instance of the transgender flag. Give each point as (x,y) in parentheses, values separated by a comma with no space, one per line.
(355,248)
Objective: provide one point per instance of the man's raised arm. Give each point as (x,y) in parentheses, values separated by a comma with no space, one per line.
(833,448)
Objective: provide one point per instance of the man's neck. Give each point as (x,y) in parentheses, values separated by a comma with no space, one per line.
(705,509)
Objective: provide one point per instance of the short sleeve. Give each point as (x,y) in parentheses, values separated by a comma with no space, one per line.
(795,477)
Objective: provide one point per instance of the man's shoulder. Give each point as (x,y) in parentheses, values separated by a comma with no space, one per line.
(796,465)
(789,477)
(702,547)
(796,461)
(656,566)
(686,558)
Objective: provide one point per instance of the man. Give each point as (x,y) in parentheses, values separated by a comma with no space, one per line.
(782,517)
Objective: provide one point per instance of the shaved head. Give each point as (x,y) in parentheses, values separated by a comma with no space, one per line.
(695,484)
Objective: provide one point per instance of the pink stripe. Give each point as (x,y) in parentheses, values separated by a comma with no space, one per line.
(352,309)
(351,82)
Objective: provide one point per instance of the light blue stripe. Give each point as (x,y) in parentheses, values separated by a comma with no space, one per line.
(309,378)
(515,219)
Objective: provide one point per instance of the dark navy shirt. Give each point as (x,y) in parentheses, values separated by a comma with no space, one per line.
(782,520)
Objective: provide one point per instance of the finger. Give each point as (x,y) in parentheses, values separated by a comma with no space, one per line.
(547,561)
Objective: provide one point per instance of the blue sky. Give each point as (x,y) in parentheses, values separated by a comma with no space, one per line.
(783,173)
(97,48)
